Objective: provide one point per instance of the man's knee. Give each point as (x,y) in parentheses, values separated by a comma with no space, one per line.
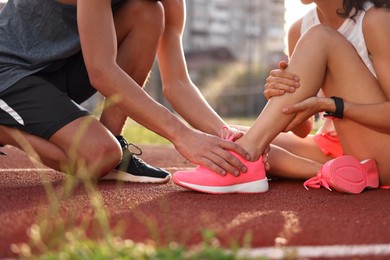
(148,14)
(100,160)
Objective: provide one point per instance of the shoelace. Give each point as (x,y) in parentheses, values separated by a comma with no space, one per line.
(126,145)
(130,145)
(225,134)
(127,148)
(316,182)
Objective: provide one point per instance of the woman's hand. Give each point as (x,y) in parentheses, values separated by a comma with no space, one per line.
(279,82)
(307,108)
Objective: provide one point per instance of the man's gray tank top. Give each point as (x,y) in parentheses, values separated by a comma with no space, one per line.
(35,34)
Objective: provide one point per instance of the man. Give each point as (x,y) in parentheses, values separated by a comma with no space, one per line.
(53,56)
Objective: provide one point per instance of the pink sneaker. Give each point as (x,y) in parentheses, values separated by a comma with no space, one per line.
(203,180)
(346,174)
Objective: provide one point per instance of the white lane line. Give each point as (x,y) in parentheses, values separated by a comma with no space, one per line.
(48,170)
(288,251)
(26,170)
(317,251)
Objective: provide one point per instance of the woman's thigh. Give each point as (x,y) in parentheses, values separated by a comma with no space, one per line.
(348,77)
(303,147)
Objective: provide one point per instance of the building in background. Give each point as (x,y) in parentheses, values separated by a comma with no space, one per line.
(250,29)
(230,46)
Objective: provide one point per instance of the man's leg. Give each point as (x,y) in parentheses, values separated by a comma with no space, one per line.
(39,118)
(139,26)
(70,150)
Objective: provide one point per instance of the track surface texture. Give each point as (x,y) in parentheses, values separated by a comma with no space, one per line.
(287,216)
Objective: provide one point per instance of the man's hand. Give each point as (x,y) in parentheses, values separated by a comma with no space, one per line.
(279,82)
(266,159)
(236,133)
(212,152)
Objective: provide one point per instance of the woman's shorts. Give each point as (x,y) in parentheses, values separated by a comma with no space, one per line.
(43,103)
(329,145)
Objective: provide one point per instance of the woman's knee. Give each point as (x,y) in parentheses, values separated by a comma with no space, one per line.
(324,35)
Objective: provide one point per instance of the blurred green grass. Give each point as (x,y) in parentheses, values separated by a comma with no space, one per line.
(137,134)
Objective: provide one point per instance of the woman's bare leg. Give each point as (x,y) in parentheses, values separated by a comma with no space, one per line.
(324,58)
(289,165)
(302,147)
(295,157)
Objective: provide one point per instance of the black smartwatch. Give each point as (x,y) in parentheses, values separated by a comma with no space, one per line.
(339,113)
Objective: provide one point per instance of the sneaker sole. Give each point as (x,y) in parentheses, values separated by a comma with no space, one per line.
(259,186)
(347,175)
(127,177)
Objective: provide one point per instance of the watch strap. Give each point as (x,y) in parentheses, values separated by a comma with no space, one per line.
(339,113)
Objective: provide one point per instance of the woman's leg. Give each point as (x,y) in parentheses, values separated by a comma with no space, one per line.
(295,157)
(302,147)
(139,26)
(285,164)
(324,58)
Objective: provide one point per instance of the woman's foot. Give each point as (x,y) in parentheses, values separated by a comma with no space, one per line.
(203,180)
(346,174)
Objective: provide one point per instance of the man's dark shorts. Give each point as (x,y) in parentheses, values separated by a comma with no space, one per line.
(43,103)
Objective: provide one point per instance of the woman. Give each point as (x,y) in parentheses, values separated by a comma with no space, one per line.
(324,59)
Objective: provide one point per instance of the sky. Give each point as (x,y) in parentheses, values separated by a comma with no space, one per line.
(294,10)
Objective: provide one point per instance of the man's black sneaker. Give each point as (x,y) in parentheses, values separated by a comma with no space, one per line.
(2,153)
(133,169)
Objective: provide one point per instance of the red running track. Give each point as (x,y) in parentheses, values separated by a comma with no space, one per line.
(288,216)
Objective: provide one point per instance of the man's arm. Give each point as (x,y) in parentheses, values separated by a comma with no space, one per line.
(178,88)
(99,46)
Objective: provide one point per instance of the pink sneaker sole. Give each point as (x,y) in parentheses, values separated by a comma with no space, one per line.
(259,186)
(348,175)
